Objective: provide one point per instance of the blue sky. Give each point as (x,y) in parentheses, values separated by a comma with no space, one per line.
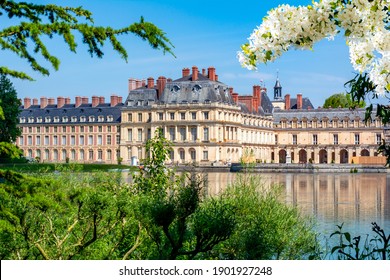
(204,33)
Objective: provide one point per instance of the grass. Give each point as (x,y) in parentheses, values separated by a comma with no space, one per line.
(51,167)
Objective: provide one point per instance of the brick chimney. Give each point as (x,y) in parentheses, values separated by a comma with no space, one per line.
(67,100)
(43,102)
(287,103)
(119,99)
(102,100)
(60,102)
(132,84)
(150,82)
(27,102)
(211,73)
(138,83)
(35,101)
(95,101)
(78,101)
(114,100)
(299,101)
(84,100)
(235,97)
(204,72)
(216,77)
(161,82)
(194,73)
(185,72)
(51,101)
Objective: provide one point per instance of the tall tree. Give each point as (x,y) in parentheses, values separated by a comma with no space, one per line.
(10,106)
(36,21)
(342,100)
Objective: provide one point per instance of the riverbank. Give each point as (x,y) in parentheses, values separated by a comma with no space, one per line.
(290,168)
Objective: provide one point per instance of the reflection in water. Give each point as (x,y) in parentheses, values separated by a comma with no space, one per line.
(356,200)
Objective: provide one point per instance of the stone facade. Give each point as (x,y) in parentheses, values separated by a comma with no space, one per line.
(205,119)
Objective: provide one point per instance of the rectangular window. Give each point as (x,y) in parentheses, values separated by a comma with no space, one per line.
(108,139)
(81,128)
(118,139)
(55,129)
(64,129)
(182,133)
(46,140)
(335,139)
(206,134)
(91,128)
(294,139)
(205,155)
(193,115)
(90,157)
(139,134)
(130,117)
(81,140)
(90,140)
(172,133)
(29,140)
(378,138)
(357,139)
(73,140)
(63,141)
(47,129)
(276,139)
(38,129)
(172,116)
(30,129)
(73,129)
(183,116)
(206,115)
(109,128)
(194,135)
(38,140)
(315,139)
(140,117)
(100,154)
(149,133)
(160,116)
(100,140)
(129,134)
(100,128)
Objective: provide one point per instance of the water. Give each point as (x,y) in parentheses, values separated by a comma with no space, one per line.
(356,200)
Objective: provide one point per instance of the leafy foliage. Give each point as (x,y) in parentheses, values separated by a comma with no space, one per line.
(376,248)
(10,107)
(26,39)
(342,100)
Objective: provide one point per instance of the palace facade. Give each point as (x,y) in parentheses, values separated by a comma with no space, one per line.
(206,121)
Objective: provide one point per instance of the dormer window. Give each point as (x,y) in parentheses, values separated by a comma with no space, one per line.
(31,119)
(64,119)
(175,88)
(47,119)
(110,118)
(196,88)
(83,119)
(22,120)
(91,119)
(39,119)
(140,103)
(74,119)
(130,103)
(101,118)
(56,119)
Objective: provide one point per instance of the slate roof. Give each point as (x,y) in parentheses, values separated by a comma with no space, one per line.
(103,111)
(306,103)
(339,113)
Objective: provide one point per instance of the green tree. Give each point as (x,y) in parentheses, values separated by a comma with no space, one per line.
(34,22)
(9,131)
(342,100)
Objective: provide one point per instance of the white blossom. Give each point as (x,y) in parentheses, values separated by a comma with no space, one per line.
(364,24)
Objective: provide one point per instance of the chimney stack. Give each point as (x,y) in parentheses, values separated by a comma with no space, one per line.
(60,102)
(27,102)
(161,82)
(287,103)
(102,100)
(194,73)
(299,101)
(216,77)
(119,99)
(204,72)
(138,83)
(35,101)
(185,72)
(67,100)
(95,101)
(84,100)
(235,97)
(43,102)
(51,101)
(211,73)
(114,100)
(78,101)
(150,82)
(132,84)
(257,95)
